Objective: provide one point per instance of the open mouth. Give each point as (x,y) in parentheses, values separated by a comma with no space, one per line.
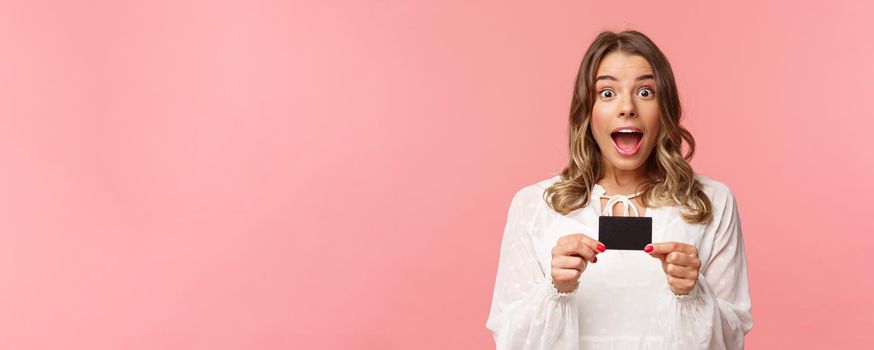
(627,141)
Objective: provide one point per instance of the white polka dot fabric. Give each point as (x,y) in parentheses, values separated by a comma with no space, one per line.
(623,301)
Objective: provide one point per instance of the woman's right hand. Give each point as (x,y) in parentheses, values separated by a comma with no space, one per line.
(569,259)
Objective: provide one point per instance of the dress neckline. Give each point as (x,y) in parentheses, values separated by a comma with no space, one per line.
(599,192)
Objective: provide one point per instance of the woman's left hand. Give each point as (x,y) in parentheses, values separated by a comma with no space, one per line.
(680,263)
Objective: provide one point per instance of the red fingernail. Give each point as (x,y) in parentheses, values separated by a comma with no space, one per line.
(648,248)
(601,247)
(595,259)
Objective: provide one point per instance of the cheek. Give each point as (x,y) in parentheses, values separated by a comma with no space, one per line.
(600,116)
(654,127)
(651,120)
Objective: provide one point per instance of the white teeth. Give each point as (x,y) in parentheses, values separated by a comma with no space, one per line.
(626,131)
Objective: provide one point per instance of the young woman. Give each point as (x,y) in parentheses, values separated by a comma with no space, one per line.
(558,287)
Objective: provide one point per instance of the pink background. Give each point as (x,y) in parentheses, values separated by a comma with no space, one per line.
(262,175)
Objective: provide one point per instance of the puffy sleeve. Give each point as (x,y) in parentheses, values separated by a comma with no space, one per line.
(717,313)
(527,312)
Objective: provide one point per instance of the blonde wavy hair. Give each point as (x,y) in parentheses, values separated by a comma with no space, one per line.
(671,180)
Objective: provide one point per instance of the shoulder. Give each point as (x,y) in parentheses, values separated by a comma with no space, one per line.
(713,187)
(532,193)
(545,183)
(720,194)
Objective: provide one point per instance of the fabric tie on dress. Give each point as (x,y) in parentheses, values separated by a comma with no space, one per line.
(625,200)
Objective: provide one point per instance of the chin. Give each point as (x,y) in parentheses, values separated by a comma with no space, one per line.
(627,164)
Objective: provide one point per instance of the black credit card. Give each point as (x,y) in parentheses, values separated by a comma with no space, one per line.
(625,232)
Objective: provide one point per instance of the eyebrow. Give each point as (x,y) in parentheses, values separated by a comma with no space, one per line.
(610,77)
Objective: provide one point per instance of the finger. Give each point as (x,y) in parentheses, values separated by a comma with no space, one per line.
(649,249)
(569,262)
(660,257)
(593,244)
(681,272)
(586,252)
(681,283)
(565,246)
(574,247)
(565,274)
(682,259)
(667,247)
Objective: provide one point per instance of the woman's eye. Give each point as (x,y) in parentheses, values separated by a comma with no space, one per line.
(606,93)
(646,92)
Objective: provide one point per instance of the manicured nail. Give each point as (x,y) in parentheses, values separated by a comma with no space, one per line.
(648,248)
(595,259)
(601,247)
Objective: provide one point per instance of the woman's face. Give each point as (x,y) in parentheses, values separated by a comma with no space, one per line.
(625,120)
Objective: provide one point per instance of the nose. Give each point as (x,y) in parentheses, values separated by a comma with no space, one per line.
(627,109)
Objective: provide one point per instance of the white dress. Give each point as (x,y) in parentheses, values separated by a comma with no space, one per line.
(623,301)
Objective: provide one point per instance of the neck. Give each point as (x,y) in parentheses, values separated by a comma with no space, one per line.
(622,181)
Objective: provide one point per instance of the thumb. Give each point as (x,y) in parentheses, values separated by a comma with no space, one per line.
(658,254)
